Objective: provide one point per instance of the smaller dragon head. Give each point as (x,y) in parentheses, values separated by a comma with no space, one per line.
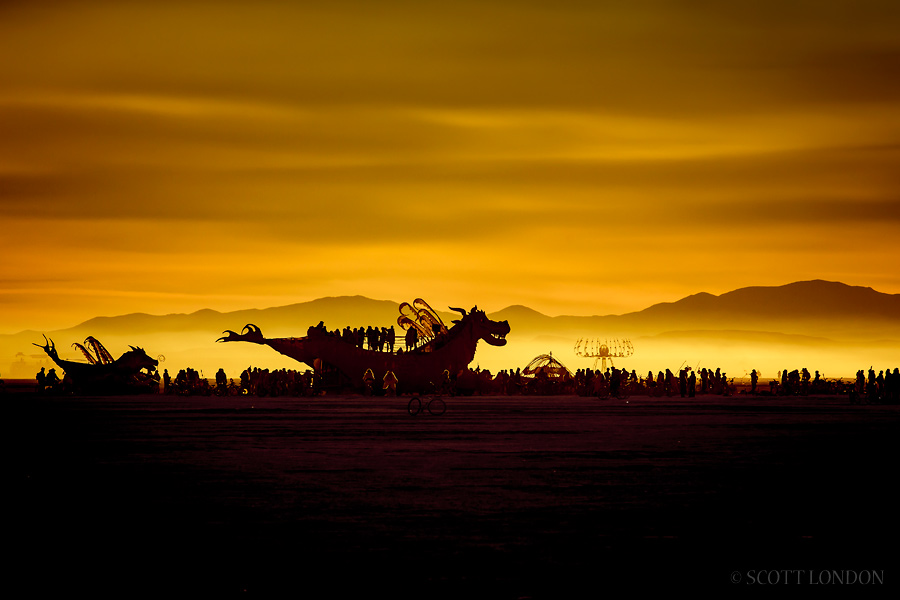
(137,358)
(49,347)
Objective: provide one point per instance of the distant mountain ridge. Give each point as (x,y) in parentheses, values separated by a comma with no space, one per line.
(744,308)
(802,299)
(801,314)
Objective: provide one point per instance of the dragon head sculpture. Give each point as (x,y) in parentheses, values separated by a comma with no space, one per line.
(492,332)
(137,359)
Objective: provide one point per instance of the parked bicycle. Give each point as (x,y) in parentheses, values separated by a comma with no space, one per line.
(433,404)
(623,393)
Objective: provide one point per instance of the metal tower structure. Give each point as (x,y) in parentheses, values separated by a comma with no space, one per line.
(603,351)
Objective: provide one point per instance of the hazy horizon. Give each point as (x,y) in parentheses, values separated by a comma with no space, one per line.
(858,329)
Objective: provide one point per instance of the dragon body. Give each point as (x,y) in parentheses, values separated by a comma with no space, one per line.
(102,374)
(451,350)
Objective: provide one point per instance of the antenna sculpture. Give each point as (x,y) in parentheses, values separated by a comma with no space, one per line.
(603,351)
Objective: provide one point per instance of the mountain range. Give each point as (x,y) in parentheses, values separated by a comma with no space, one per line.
(819,319)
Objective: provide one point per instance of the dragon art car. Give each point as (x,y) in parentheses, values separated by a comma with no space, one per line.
(416,370)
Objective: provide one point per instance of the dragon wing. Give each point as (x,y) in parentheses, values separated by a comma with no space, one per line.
(434,316)
(87,354)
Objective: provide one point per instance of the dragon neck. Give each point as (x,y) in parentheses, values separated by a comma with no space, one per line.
(463,344)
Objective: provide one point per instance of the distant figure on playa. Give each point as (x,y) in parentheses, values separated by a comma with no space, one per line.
(614,380)
(369,381)
(412,336)
(52,380)
(41,380)
(221,380)
(895,386)
(754,378)
(390,384)
(804,381)
(445,385)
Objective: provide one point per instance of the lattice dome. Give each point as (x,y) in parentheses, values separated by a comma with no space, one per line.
(549,365)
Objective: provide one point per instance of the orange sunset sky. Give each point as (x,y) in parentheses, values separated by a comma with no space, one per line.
(576,157)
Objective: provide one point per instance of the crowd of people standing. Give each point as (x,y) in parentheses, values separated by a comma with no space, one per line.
(378,339)
(868,386)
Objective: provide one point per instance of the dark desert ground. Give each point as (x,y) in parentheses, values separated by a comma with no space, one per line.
(500,497)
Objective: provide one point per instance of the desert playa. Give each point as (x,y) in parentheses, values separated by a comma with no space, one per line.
(501,497)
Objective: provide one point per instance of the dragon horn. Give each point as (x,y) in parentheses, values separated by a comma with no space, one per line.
(462,311)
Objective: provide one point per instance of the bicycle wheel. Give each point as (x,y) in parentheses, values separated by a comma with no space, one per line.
(414,406)
(437,407)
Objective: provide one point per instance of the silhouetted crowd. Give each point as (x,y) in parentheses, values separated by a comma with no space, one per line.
(868,386)
(619,382)
(883,388)
(378,339)
(252,381)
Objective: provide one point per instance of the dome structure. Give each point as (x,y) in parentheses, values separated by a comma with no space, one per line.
(545,363)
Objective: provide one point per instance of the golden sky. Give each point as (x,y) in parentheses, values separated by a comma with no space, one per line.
(576,157)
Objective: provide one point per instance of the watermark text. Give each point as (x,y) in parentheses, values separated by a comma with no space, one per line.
(808,577)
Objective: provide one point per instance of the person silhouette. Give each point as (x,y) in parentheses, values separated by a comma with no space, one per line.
(41,380)
(221,380)
(390,384)
(368,382)
(391,338)
(52,380)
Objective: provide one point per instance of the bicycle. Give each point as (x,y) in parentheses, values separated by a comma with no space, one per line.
(433,404)
(623,393)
